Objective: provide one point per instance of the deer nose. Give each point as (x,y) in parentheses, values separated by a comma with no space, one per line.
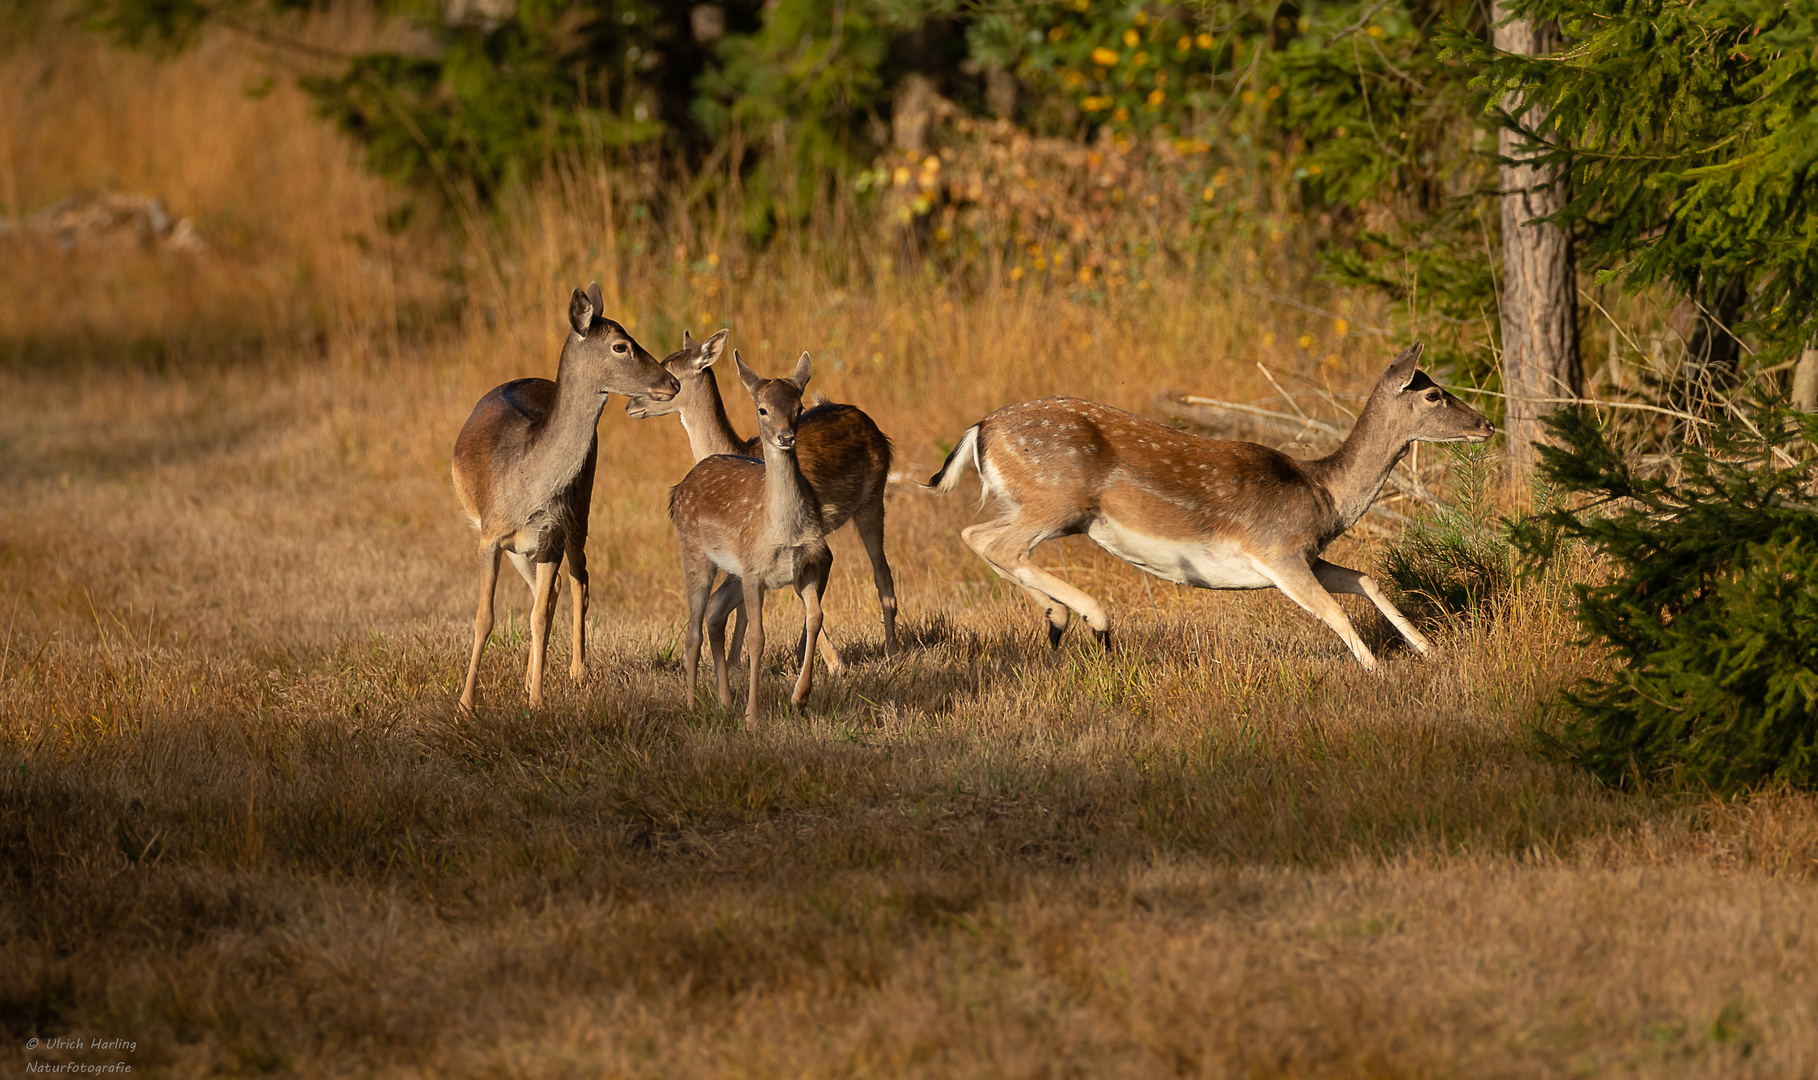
(787,442)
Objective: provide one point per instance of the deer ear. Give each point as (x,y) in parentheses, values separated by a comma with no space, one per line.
(581,310)
(711,350)
(593,294)
(746,375)
(804,369)
(687,341)
(1401,372)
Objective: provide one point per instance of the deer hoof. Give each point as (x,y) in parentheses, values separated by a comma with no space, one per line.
(1054,636)
(1104,637)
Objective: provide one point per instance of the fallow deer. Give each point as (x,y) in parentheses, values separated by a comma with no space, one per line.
(1195,510)
(523,468)
(841,452)
(758,522)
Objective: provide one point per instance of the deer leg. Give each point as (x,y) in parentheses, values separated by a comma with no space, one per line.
(697,584)
(1297,580)
(1340,579)
(754,613)
(482,620)
(542,606)
(830,654)
(809,587)
(726,598)
(1057,613)
(738,632)
(869,522)
(576,561)
(1007,546)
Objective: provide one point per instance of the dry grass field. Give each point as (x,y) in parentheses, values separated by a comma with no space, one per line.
(244,826)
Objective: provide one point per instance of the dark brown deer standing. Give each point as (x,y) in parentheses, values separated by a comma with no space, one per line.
(523,468)
(759,523)
(1190,509)
(841,452)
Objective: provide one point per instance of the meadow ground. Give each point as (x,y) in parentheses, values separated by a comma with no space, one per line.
(244,827)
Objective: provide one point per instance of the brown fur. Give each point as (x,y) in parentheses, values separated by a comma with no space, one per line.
(523,470)
(1204,512)
(759,523)
(839,449)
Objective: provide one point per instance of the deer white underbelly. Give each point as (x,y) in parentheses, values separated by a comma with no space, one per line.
(1220,564)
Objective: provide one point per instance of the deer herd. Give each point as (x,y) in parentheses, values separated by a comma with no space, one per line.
(1186,508)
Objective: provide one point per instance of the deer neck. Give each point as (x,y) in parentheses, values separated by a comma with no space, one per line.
(704,418)
(559,449)
(1353,475)
(789,508)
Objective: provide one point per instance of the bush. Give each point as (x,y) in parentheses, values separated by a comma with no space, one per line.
(1709,616)
(1456,561)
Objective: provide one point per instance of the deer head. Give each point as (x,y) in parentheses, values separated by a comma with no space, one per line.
(689,366)
(1420,408)
(602,356)
(779,401)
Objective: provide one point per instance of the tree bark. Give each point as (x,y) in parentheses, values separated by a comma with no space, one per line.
(1805,381)
(1539,289)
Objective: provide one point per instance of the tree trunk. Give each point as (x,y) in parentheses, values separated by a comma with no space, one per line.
(1539,290)
(1805,381)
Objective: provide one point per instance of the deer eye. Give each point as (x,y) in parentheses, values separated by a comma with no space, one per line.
(620,347)
(763,411)
(1433,396)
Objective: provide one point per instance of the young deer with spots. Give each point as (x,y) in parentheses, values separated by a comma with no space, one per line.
(1199,511)
(841,452)
(757,521)
(523,468)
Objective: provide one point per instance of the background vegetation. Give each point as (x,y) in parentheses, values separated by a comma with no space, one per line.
(243,825)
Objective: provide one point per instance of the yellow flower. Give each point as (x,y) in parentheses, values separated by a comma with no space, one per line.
(1204,41)
(1139,59)
(1141,18)
(901,176)
(1207,194)
(1340,327)
(713,258)
(1104,57)
(1374,31)
(1121,115)
(1274,92)
(1315,169)
(1268,339)
(1131,37)
(1016,273)
(1185,43)
(1248,97)
(931,164)
(1156,97)
(1094,104)
(1041,264)
(1305,341)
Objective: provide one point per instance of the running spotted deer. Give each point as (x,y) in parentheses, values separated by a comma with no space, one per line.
(758,522)
(843,455)
(1195,510)
(523,468)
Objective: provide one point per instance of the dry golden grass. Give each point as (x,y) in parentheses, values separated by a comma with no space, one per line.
(243,825)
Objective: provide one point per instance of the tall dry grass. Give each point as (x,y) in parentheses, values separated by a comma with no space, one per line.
(244,826)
